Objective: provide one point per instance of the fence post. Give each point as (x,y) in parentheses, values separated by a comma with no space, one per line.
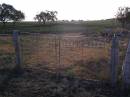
(59,53)
(17,49)
(126,69)
(114,59)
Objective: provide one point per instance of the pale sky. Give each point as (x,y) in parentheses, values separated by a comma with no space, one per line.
(70,9)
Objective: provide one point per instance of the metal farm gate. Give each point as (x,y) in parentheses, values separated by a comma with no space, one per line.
(76,55)
(86,57)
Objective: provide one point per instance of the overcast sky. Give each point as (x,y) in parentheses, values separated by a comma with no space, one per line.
(70,9)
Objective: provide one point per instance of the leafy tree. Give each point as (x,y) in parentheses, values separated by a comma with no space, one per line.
(47,16)
(17,16)
(52,16)
(42,17)
(5,12)
(123,16)
(9,13)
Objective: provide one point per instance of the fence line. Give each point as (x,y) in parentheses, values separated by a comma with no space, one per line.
(30,46)
(36,42)
(62,42)
(62,51)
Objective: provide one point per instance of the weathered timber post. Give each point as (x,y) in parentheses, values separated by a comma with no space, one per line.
(114,59)
(17,50)
(126,69)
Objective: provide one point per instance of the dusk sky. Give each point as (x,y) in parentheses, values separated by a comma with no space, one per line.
(70,9)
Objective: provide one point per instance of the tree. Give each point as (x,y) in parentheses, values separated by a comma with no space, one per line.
(47,16)
(9,13)
(123,16)
(5,12)
(52,16)
(42,17)
(17,16)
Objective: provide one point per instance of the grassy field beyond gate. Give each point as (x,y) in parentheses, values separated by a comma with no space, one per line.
(86,57)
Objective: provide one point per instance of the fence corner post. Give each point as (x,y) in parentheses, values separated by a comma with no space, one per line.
(17,50)
(114,60)
(126,69)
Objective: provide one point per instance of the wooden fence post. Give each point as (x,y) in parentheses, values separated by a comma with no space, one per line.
(126,69)
(114,59)
(17,49)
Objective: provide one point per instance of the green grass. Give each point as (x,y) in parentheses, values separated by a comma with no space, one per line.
(88,26)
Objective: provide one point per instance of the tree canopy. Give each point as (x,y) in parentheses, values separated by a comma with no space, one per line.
(47,16)
(123,16)
(9,13)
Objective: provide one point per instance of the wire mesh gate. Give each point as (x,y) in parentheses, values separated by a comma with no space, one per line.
(86,57)
(76,55)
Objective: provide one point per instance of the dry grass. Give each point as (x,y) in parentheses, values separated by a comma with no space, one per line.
(6,44)
(7,48)
(43,52)
(81,62)
(6,52)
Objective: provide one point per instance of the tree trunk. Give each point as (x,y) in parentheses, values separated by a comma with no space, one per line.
(44,21)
